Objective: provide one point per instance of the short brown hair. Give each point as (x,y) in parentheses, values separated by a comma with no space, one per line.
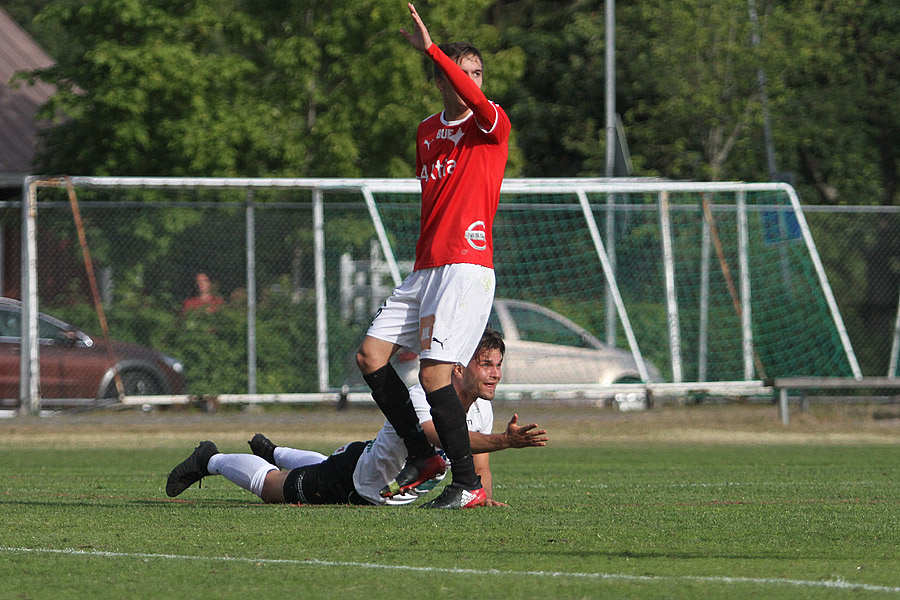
(490,340)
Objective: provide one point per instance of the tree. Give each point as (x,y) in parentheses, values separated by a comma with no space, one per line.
(557,106)
(686,85)
(240,87)
(840,126)
(689,76)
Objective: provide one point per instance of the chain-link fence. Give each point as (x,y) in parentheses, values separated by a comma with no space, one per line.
(860,249)
(220,281)
(215,290)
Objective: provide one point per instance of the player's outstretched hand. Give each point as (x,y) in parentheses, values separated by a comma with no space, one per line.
(419,38)
(491,502)
(518,436)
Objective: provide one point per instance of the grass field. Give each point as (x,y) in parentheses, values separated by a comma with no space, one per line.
(678,502)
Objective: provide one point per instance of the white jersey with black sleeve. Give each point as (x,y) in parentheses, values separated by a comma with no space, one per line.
(384,456)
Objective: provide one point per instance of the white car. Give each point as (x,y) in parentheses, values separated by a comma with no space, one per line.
(542,347)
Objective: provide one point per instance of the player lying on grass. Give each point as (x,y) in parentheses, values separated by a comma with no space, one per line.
(357,472)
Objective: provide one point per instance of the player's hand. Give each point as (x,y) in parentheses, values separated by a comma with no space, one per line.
(518,436)
(491,502)
(419,38)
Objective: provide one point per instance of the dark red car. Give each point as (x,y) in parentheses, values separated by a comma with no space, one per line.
(75,365)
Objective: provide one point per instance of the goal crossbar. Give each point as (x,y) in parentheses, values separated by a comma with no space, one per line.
(579,189)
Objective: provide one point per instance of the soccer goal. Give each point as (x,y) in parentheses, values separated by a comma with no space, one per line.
(700,286)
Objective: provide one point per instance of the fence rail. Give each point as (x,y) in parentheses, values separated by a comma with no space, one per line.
(275,249)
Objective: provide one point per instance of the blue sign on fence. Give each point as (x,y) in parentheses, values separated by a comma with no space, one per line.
(780,226)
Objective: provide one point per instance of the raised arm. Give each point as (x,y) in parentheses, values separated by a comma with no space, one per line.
(485,112)
(419,37)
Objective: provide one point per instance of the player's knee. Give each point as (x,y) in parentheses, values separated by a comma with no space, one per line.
(365,361)
(434,375)
(370,357)
(273,488)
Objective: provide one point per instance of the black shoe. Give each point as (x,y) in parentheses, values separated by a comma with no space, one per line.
(455,496)
(191,470)
(263,447)
(416,471)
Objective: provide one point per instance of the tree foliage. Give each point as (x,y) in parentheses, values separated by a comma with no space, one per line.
(240,87)
(273,88)
(691,66)
(246,88)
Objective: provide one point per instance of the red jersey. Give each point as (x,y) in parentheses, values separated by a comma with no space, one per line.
(460,165)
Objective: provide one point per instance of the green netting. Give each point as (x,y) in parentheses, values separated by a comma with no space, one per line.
(543,252)
(147,244)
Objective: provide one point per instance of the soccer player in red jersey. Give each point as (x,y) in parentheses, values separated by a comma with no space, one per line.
(442,307)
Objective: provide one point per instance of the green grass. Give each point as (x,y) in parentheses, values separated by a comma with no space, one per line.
(644,519)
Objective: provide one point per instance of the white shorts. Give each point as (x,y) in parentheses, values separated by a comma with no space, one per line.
(440,312)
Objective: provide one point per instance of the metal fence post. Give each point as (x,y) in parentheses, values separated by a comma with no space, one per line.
(321,294)
(251,292)
(665,218)
(611,282)
(744,279)
(703,342)
(29,364)
(895,344)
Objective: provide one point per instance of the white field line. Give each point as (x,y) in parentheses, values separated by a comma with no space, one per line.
(721,484)
(830,584)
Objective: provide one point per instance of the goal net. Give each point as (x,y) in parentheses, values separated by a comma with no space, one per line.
(710,282)
(685,282)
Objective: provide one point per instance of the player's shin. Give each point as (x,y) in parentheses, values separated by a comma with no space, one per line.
(392,397)
(244,470)
(450,424)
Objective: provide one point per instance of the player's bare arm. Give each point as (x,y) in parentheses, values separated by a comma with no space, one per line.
(515,436)
(483,468)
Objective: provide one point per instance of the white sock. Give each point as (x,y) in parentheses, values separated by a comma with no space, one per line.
(245,470)
(292,458)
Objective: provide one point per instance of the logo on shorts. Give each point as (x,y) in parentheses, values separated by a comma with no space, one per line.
(476,235)
(426,327)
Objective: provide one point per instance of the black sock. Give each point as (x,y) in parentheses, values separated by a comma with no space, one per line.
(392,397)
(450,423)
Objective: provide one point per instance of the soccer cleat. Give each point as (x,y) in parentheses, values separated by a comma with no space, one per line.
(424,488)
(263,447)
(191,470)
(415,472)
(454,496)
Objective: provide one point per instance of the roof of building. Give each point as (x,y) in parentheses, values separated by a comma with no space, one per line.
(18,129)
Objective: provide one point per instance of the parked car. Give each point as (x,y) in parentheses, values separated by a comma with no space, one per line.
(75,365)
(542,347)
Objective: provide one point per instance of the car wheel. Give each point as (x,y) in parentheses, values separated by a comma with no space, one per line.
(136,383)
(627,379)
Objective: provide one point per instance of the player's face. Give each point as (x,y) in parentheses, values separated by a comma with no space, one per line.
(472,67)
(483,374)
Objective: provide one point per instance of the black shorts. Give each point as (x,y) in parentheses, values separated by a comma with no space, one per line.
(329,482)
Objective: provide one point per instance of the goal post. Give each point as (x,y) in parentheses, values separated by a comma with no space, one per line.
(709,283)
(727,274)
